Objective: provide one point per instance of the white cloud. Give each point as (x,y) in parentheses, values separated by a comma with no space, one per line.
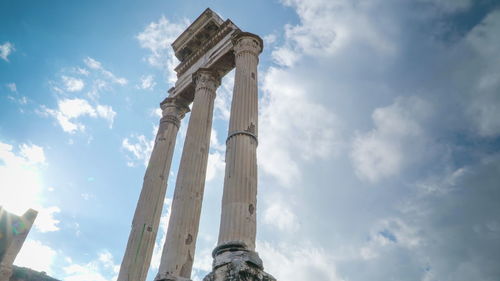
(12,87)
(96,65)
(157,112)
(45,221)
(483,36)
(106,112)
(328,26)
(214,142)
(269,39)
(73,108)
(487,117)
(405,132)
(384,151)
(157,37)
(280,215)
(406,235)
(86,272)
(98,85)
(293,127)
(215,166)
(5,50)
(368,253)
(147,82)
(22,178)
(298,262)
(102,268)
(285,56)
(36,255)
(440,184)
(69,110)
(450,5)
(92,63)
(484,103)
(87,196)
(23,100)
(140,147)
(82,71)
(73,84)
(33,153)
(387,233)
(222,104)
(106,258)
(161,235)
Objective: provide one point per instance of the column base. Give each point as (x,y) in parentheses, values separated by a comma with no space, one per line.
(5,272)
(168,277)
(234,262)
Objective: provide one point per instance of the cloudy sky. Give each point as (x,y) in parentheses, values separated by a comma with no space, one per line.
(379,155)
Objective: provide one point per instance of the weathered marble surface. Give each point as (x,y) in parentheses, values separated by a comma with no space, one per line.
(235,258)
(239,201)
(233,261)
(179,249)
(208,49)
(137,257)
(14,230)
(27,274)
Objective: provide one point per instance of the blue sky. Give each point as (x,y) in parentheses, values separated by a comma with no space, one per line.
(379,142)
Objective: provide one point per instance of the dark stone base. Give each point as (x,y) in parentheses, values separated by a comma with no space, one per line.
(234,262)
(171,278)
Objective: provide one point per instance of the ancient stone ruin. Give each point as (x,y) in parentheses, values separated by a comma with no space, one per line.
(13,231)
(208,49)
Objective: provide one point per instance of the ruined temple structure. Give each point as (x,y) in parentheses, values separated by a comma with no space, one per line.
(13,231)
(208,49)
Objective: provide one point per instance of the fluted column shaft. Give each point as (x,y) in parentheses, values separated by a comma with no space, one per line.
(137,258)
(238,219)
(178,251)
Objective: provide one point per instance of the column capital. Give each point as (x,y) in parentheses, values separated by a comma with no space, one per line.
(247,42)
(205,78)
(173,110)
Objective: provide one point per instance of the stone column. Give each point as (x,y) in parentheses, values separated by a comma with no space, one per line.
(238,221)
(235,257)
(179,248)
(17,229)
(137,258)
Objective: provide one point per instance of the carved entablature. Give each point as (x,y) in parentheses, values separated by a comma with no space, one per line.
(205,44)
(197,34)
(226,28)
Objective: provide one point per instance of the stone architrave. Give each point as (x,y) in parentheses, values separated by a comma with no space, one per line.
(15,233)
(137,257)
(178,251)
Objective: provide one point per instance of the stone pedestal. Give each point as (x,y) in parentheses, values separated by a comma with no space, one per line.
(137,257)
(233,261)
(5,272)
(178,251)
